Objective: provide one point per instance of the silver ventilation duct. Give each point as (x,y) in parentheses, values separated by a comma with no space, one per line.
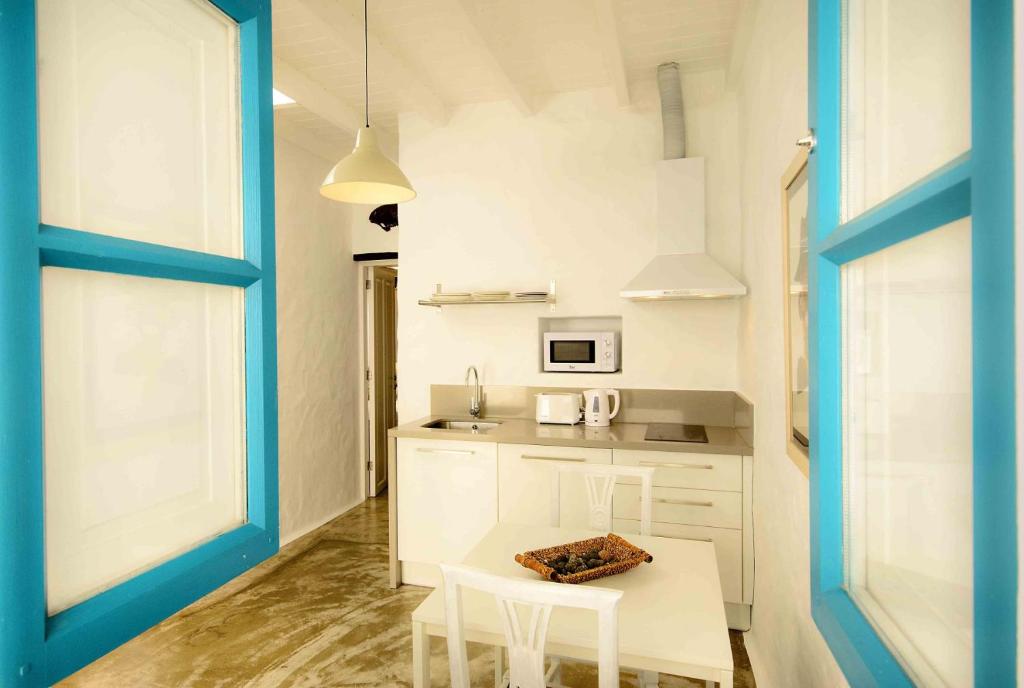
(673,125)
(682,269)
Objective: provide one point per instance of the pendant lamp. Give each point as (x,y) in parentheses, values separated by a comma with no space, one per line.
(366,175)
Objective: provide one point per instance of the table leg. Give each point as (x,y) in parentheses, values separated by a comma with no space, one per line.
(420,656)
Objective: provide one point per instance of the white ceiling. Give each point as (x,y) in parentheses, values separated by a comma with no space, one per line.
(429,56)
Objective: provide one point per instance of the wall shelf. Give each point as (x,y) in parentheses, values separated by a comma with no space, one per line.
(548,297)
(475,302)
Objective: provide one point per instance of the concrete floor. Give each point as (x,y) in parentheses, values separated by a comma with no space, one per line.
(319,613)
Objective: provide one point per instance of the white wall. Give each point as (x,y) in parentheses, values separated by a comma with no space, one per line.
(512,202)
(785,646)
(317,347)
(368,237)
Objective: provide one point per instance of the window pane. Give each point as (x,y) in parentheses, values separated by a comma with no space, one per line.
(139,122)
(906,94)
(907,448)
(144,416)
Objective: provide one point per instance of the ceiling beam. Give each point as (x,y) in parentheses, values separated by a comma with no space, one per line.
(411,85)
(611,46)
(477,36)
(297,85)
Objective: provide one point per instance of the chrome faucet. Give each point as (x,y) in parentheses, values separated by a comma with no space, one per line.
(475,397)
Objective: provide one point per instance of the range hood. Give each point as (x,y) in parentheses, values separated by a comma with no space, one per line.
(682,269)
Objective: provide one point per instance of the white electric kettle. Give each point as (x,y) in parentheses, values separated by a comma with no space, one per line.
(598,413)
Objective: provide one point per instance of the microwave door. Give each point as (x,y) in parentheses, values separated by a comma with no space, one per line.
(578,351)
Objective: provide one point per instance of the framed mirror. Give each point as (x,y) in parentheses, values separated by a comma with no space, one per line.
(794,270)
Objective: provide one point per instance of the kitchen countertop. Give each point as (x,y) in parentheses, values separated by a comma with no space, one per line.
(721,440)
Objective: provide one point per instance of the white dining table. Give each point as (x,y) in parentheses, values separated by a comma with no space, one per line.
(671,617)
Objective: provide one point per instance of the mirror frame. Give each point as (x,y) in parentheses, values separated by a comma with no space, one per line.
(798,453)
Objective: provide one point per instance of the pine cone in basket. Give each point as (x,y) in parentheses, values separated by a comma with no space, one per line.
(585,560)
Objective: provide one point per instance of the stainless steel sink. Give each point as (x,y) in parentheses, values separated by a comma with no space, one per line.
(463,425)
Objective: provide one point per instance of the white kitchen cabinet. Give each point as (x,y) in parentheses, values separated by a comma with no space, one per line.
(447,501)
(679,469)
(728,544)
(531,492)
(699,496)
(675,505)
(451,493)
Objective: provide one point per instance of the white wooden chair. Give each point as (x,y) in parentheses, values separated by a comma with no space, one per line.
(526,645)
(600,480)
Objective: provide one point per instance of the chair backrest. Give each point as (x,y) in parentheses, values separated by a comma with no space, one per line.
(600,480)
(526,645)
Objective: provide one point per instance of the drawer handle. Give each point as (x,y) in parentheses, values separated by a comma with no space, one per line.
(460,452)
(576,459)
(699,539)
(657,464)
(680,502)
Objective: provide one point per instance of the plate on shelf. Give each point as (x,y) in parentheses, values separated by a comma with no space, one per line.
(490,295)
(452,296)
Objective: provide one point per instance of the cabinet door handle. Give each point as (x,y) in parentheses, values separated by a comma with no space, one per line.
(680,502)
(696,539)
(576,459)
(460,452)
(657,464)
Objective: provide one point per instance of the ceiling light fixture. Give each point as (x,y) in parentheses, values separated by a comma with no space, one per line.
(366,175)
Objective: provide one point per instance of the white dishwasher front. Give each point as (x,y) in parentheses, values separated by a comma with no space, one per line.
(447,501)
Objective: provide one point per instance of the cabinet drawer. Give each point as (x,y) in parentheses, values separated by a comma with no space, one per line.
(410,448)
(685,507)
(530,492)
(694,471)
(540,455)
(728,544)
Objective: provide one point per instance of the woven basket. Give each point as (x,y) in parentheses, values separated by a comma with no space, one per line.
(626,555)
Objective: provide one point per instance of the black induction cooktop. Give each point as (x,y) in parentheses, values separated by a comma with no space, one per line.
(676,432)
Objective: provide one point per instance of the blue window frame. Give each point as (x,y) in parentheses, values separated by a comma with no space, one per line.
(37,650)
(978,184)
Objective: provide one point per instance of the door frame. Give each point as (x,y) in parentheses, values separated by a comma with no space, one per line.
(979,184)
(37,650)
(366,341)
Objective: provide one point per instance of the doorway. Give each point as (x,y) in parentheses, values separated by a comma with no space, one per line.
(381,351)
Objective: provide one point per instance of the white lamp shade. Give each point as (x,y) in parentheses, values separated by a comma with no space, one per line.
(367,176)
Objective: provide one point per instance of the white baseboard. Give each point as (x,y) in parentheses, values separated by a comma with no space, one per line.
(299,532)
(756,665)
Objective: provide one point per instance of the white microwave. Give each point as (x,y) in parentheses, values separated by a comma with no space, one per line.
(582,352)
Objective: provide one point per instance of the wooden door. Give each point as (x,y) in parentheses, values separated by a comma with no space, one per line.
(383,378)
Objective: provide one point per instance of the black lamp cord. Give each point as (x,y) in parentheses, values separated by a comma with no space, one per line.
(366,65)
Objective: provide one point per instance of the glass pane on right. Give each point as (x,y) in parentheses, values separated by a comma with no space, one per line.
(908,450)
(906,94)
